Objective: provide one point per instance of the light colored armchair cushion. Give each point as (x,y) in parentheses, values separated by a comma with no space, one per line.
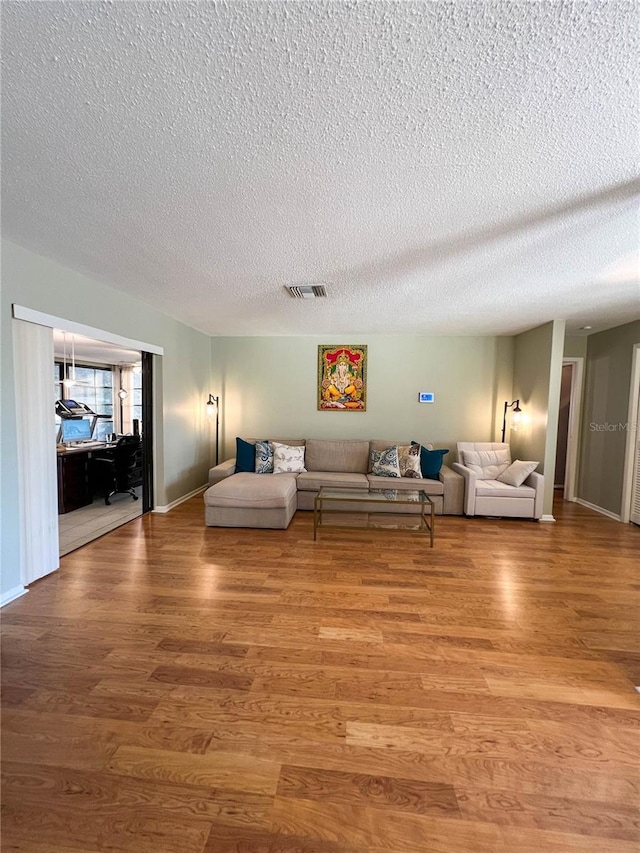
(487,464)
(517,472)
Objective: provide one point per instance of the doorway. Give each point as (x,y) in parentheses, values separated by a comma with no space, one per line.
(568,428)
(109,381)
(631,480)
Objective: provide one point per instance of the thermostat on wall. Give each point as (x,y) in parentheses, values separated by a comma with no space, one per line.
(426,397)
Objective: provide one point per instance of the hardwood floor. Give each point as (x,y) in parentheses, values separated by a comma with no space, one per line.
(182,689)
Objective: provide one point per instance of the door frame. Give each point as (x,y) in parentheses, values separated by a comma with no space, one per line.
(575,420)
(28,520)
(632,427)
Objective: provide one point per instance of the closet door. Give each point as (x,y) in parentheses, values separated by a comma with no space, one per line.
(33,360)
(635,487)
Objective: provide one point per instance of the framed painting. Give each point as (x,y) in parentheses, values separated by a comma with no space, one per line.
(342,378)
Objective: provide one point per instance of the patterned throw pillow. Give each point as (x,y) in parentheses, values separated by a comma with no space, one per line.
(384,463)
(264,458)
(287,458)
(409,458)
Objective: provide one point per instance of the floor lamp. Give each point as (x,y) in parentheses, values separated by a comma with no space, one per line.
(213,406)
(516,410)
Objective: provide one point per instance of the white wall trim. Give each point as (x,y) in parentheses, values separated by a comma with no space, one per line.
(547,518)
(12,594)
(181,500)
(632,427)
(575,420)
(42,319)
(599,509)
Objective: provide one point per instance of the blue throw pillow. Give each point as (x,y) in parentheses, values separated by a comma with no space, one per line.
(245,456)
(430,461)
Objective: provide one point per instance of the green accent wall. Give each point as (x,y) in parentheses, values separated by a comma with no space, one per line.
(269,386)
(537,376)
(182,382)
(605,411)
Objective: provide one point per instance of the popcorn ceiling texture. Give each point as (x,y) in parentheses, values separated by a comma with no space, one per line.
(442,167)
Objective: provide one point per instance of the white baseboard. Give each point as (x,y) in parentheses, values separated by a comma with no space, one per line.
(547,518)
(599,509)
(12,594)
(181,500)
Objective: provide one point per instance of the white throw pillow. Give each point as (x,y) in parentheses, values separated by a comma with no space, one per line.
(409,459)
(487,464)
(517,472)
(287,458)
(384,463)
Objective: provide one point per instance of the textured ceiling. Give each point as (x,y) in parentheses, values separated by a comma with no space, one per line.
(441,167)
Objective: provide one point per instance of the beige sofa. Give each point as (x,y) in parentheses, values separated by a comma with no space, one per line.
(270,500)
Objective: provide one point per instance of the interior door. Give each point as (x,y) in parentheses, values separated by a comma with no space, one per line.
(635,488)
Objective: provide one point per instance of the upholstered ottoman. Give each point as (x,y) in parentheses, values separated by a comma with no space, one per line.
(251,500)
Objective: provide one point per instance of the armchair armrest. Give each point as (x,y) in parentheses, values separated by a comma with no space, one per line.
(453,498)
(469,477)
(224,469)
(536,481)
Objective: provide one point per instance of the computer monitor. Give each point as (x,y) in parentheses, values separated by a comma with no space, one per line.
(76,429)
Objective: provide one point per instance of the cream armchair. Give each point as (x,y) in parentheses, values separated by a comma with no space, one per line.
(480,463)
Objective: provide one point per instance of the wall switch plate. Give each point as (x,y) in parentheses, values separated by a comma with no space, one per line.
(426,397)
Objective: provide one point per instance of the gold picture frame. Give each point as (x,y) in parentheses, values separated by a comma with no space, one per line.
(342,378)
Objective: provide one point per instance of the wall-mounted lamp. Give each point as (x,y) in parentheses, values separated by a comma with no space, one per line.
(517,411)
(213,408)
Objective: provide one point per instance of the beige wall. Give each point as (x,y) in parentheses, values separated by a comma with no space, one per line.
(183,381)
(268,386)
(605,411)
(537,375)
(575,346)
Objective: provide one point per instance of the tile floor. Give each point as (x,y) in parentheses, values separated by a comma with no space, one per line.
(83,525)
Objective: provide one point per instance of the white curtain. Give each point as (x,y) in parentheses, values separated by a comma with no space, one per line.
(33,359)
(126,382)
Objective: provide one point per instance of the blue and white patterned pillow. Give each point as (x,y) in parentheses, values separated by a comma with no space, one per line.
(384,463)
(264,457)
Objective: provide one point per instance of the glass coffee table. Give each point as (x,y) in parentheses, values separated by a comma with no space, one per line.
(358,509)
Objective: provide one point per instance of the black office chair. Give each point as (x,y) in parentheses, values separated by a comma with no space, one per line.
(118,469)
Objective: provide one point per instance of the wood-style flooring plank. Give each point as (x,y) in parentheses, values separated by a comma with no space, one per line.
(179,688)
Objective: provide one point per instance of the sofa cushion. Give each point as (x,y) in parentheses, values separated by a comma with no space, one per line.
(252,490)
(496,489)
(287,458)
(409,458)
(385,463)
(313,481)
(487,464)
(517,472)
(330,455)
(431,487)
(245,455)
(264,458)
(430,460)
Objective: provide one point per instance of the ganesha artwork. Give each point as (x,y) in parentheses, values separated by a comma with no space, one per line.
(342,378)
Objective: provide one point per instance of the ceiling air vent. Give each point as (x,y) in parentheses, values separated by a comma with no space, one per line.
(306,291)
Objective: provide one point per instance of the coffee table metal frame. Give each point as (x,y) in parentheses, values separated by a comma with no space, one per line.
(358,497)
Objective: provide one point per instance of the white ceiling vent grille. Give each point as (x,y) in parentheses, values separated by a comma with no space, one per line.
(306,291)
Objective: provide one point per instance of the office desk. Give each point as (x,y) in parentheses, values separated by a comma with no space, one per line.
(75,488)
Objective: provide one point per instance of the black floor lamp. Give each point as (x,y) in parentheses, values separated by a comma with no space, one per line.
(213,403)
(516,410)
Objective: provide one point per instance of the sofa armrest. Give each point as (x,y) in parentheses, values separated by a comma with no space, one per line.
(453,499)
(536,481)
(224,469)
(470,479)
